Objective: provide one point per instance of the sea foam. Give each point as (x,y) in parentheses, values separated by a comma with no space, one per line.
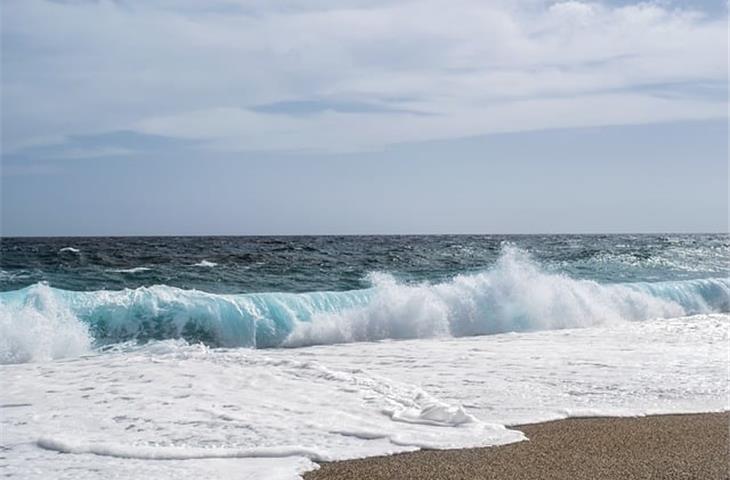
(70,445)
(40,327)
(271,413)
(131,270)
(205,263)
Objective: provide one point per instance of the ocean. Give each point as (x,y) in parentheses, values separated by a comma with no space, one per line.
(256,357)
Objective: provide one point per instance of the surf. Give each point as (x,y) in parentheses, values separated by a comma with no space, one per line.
(40,322)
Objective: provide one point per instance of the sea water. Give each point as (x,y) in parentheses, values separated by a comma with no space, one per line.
(257,357)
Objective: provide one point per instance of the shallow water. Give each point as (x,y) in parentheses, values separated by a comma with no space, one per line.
(243,413)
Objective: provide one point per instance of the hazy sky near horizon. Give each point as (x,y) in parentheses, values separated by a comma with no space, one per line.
(258,117)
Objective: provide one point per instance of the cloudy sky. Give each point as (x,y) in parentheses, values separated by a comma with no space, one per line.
(353,116)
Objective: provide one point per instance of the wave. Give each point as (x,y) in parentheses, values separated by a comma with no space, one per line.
(130,270)
(40,322)
(205,263)
(70,250)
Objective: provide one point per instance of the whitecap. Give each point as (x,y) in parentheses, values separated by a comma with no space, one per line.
(205,263)
(130,270)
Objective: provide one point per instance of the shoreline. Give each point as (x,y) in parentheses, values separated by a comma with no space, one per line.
(687,446)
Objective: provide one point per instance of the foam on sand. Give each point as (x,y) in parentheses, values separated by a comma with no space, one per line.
(66,445)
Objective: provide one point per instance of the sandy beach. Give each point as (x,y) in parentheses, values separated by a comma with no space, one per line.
(656,447)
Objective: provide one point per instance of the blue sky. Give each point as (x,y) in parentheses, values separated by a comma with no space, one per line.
(253,117)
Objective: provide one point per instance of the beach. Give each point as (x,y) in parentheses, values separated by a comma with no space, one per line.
(178,362)
(691,446)
(250,240)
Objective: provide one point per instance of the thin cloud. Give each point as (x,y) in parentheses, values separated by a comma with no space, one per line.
(312,107)
(257,76)
(120,143)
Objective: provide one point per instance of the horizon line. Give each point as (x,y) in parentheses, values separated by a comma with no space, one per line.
(259,235)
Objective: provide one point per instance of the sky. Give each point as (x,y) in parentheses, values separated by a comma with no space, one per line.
(175,117)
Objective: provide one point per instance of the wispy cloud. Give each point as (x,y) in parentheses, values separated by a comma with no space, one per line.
(101,145)
(257,75)
(311,107)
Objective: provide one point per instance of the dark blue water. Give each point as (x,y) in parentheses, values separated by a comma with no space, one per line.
(305,264)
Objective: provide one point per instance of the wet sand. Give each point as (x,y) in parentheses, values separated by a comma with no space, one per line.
(656,447)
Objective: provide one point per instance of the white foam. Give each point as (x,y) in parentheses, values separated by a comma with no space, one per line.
(126,411)
(435,414)
(130,270)
(205,263)
(68,445)
(40,328)
(516,295)
(70,249)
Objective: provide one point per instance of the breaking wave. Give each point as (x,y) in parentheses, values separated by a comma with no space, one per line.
(40,327)
(40,322)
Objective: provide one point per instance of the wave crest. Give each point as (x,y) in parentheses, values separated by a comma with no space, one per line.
(40,322)
(515,295)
